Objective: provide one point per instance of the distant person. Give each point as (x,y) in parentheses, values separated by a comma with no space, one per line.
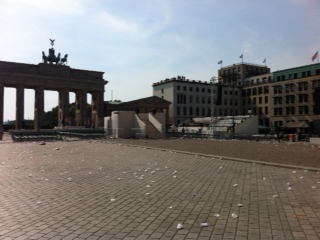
(296,136)
(280,136)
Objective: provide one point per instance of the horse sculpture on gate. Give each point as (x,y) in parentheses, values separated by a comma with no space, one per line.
(64,60)
(52,58)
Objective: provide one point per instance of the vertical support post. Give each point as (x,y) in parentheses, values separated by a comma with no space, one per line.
(63,111)
(233,99)
(212,105)
(97,109)
(1,103)
(81,107)
(19,107)
(39,107)
(1,110)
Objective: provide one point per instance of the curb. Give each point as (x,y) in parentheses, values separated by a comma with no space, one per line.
(225,158)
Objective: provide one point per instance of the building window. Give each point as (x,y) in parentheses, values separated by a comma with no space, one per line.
(292,97)
(203,112)
(277,100)
(190,89)
(265,99)
(287,110)
(303,98)
(197,89)
(203,90)
(197,99)
(190,99)
(300,110)
(254,91)
(190,111)
(184,88)
(277,89)
(266,89)
(259,90)
(303,110)
(203,100)
(254,110)
(178,111)
(289,87)
(260,100)
(277,111)
(185,111)
(197,111)
(266,110)
(181,98)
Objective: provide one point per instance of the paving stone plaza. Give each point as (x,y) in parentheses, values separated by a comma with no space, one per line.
(99,190)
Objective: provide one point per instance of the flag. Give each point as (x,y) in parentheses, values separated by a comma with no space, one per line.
(264,61)
(220,62)
(314,56)
(241,56)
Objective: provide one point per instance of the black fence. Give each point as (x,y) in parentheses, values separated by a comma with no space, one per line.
(228,136)
(56,134)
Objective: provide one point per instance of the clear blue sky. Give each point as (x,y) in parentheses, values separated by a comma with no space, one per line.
(139,42)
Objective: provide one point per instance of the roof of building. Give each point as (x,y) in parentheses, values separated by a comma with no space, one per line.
(302,124)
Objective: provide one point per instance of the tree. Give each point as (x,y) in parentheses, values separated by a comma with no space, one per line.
(51,117)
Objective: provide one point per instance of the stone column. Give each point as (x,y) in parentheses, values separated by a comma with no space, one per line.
(1,110)
(39,108)
(1,103)
(97,109)
(63,107)
(19,107)
(81,108)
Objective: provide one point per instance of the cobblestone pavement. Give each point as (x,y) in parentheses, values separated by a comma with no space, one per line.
(99,190)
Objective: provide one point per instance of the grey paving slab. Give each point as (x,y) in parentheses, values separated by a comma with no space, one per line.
(98,190)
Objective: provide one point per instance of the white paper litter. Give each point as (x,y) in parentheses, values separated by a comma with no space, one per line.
(179,226)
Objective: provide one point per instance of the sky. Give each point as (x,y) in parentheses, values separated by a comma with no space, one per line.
(139,42)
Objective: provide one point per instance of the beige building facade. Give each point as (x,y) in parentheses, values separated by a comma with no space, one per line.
(276,98)
(189,98)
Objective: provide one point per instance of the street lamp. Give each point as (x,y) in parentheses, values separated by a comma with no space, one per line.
(233,103)
(212,81)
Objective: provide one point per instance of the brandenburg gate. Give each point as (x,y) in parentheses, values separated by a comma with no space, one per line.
(54,75)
